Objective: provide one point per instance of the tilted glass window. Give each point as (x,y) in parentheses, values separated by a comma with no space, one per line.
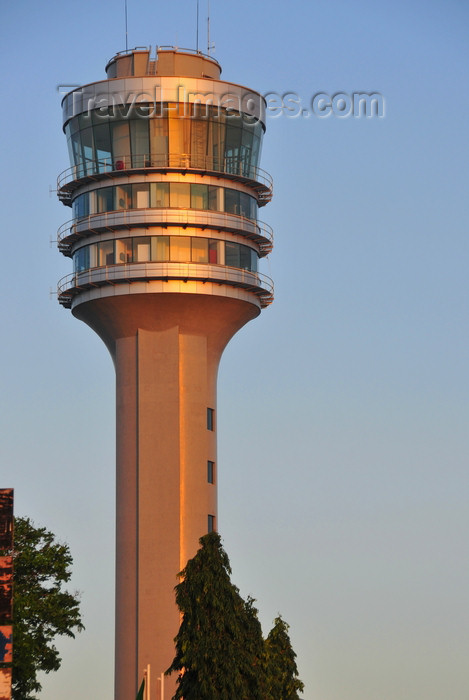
(121,144)
(140,143)
(175,134)
(102,142)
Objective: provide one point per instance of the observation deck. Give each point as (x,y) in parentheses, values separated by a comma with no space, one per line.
(164,182)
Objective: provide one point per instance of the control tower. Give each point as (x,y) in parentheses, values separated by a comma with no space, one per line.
(165,239)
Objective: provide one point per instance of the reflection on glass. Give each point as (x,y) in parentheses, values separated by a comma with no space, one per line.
(165,194)
(201,137)
(180,249)
(164,249)
(200,250)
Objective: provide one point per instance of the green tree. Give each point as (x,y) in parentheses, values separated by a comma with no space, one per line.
(219,646)
(42,610)
(282,673)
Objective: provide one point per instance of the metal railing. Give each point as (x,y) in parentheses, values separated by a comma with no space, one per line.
(234,168)
(258,231)
(71,285)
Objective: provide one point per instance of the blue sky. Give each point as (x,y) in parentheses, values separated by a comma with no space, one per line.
(343,409)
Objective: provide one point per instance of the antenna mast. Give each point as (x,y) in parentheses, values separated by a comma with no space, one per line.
(210,46)
(126,35)
(197,33)
(208,27)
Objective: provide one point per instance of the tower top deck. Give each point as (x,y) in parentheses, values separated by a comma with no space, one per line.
(168,61)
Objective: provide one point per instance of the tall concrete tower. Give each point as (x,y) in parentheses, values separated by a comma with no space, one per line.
(165,240)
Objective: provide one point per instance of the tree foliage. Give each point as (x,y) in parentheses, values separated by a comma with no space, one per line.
(220,651)
(219,646)
(282,672)
(42,610)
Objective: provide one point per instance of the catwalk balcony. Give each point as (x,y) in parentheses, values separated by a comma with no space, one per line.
(72,285)
(234,169)
(258,232)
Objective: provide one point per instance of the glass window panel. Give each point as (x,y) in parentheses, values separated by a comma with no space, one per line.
(232,254)
(199,142)
(140,142)
(160,248)
(142,249)
(140,196)
(215,251)
(199,196)
(159,140)
(70,151)
(179,134)
(244,257)
(253,212)
(256,151)
(231,201)
(88,152)
(73,125)
(105,199)
(216,141)
(120,144)
(210,472)
(102,142)
(254,259)
(84,120)
(80,206)
(123,251)
(93,202)
(180,194)
(93,255)
(180,249)
(81,259)
(105,253)
(210,419)
(232,146)
(77,152)
(213,198)
(159,194)
(101,115)
(123,197)
(247,133)
(244,204)
(200,250)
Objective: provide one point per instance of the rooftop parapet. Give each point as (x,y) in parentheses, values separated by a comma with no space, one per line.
(168,61)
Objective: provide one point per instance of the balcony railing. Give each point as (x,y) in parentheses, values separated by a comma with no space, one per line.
(71,285)
(257,231)
(233,168)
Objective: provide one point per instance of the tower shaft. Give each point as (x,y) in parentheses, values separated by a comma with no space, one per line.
(166,353)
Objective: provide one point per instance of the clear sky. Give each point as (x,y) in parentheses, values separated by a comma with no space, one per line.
(343,410)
